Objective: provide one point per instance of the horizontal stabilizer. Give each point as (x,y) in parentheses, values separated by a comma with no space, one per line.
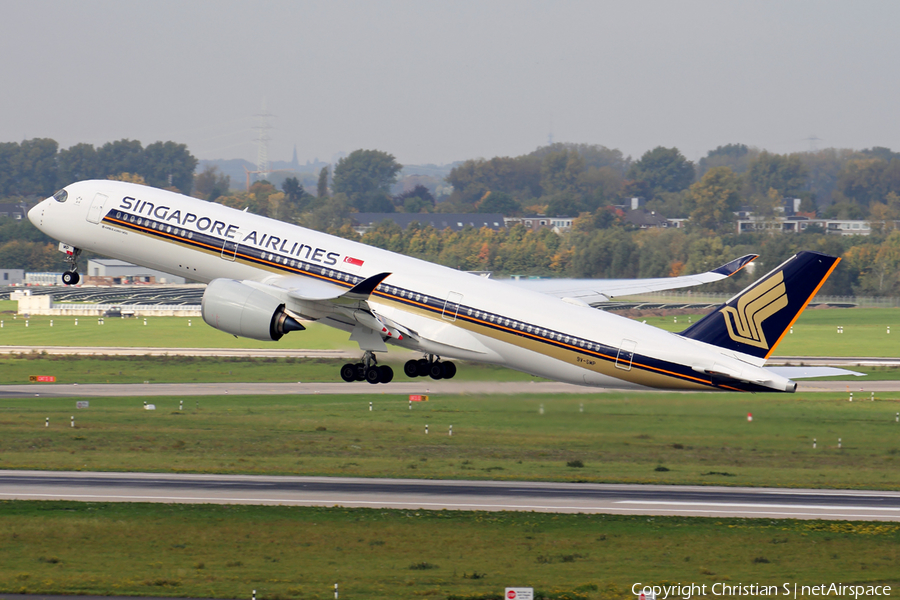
(808,372)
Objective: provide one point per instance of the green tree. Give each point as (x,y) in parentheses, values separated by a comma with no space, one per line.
(322,186)
(519,177)
(122,156)
(735,156)
(417,200)
(561,172)
(785,174)
(663,170)
(294,193)
(78,163)
(168,165)
(366,177)
(499,202)
(210,184)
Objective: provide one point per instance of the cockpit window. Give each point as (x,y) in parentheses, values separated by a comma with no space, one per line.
(61,196)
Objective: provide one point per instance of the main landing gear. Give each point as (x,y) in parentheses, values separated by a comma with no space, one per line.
(71,277)
(367,370)
(431,367)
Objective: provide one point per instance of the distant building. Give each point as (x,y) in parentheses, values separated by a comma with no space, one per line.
(12,276)
(108,271)
(13,211)
(801,224)
(43,279)
(535,222)
(646,219)
(363,222)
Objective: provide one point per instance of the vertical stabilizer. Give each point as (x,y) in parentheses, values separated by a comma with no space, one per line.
(755,321)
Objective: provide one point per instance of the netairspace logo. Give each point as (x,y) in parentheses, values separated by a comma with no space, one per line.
(794,590)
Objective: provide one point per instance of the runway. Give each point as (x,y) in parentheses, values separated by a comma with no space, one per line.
(415,494)
(417,386)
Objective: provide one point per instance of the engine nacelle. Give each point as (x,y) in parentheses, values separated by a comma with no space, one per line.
(238,309)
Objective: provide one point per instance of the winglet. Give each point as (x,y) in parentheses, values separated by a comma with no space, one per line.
(729,269)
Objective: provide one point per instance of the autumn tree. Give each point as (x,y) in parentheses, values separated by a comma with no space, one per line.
(714,199)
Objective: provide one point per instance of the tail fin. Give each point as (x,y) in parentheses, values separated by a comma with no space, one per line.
(755,321)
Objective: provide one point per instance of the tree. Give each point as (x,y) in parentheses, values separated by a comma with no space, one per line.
(122,156)
(36,167)
(210,184)
(78,163)
(168,165)
(560,172)
(714,200)
(419,199)
(785,174)
(366,177)
(294,193)
(663,170)
(499,202)
(322,186)
(520,177)
(735,156)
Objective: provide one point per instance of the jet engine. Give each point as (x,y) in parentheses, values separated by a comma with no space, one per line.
(239,309)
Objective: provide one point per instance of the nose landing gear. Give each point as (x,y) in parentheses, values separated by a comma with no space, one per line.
(430,367)
(367,370)
(71,277)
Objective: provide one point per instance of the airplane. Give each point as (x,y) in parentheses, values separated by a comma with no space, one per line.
(265,277)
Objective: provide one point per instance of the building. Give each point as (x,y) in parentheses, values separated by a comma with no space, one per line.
(800,224)
(646,219)
(535,222)
(13,211)
(43,279)
(108,271)
(12,276)
(363,222)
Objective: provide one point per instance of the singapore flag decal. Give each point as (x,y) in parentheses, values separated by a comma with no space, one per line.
(353,261)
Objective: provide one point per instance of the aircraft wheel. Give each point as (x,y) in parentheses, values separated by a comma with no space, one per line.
(360,371)
(71,278)
(411,368)
(348,372)
(448,370)
(385,374)
(373,375)
(423,366)
(436,371)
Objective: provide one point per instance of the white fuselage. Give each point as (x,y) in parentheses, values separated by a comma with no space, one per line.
(454,314)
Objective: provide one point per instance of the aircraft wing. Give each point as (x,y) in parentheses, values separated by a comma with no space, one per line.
(590,291)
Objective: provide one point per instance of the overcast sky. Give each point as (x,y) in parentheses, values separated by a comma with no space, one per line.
(435,82)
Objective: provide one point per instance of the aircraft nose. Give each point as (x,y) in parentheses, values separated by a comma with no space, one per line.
(34,215)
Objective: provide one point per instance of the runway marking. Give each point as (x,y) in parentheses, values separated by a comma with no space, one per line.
(744,505)
(459,506)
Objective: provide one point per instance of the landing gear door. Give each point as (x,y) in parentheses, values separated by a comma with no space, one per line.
(625,355)
(451,306)
(95,212)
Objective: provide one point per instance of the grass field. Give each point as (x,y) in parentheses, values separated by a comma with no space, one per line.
(227,551)
(697,438)
(815,333)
